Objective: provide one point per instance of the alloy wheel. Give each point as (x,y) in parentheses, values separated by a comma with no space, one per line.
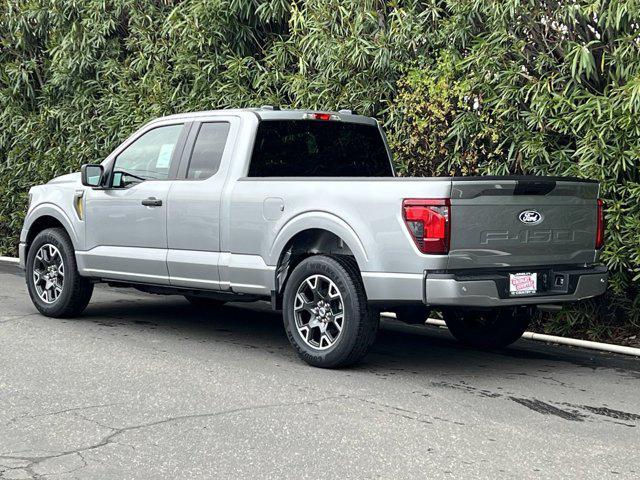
(48,273)
(319,312)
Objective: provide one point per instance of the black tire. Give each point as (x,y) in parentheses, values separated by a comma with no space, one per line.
(204,302)
(412,314)
(487,329)
(359,321)
(75,292)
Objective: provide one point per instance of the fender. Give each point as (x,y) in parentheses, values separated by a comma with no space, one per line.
(51,210)
(318,220)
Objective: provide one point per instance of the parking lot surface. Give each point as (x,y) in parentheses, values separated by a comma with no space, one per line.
(147,387)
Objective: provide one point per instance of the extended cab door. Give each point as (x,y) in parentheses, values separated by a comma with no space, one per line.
(126,222)
(194,213)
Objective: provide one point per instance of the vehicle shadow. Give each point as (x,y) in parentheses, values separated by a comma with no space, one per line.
(398,347)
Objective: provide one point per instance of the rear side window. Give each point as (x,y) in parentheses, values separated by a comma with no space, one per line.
(207,150)
(315,148)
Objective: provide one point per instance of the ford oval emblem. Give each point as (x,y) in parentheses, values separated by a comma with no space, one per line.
(530,217)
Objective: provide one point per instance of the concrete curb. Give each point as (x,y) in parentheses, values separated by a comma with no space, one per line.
(573,342)
(540,337)
(9,260)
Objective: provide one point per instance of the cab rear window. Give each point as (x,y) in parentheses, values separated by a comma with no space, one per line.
(315,148)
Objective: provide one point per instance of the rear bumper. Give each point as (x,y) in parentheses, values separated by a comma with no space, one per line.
(481,289)
(490,290)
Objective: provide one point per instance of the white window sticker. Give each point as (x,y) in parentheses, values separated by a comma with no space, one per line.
(164,157)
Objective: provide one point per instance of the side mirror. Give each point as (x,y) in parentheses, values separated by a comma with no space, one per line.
(91,175)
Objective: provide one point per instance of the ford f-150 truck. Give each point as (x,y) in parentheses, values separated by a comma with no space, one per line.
(303,208)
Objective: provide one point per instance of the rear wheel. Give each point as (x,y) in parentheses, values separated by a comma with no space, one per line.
(326,315)
(487,329)
(204,302)
(55,286)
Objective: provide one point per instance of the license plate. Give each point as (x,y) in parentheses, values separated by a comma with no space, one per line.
(523,283)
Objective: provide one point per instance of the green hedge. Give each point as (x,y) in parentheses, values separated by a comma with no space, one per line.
(550,88)
(464,87)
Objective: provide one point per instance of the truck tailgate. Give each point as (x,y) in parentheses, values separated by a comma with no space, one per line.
(522,221)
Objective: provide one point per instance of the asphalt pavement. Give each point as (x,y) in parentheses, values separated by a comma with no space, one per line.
(147,387)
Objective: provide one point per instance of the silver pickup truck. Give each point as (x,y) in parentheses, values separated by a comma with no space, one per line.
(304,209)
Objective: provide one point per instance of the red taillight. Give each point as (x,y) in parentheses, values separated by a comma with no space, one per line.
(600,230)
(429,222)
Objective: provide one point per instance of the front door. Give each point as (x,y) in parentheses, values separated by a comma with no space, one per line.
(126,224)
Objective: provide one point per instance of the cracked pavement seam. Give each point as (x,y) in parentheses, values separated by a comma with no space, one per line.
(109,439)
(58,412)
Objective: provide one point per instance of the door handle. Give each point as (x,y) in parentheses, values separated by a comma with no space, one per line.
(152,202)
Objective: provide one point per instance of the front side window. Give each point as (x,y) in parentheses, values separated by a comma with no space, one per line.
(147,158)
(207,150)
(312,148)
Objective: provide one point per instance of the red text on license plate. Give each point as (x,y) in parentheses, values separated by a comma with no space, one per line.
(523,283)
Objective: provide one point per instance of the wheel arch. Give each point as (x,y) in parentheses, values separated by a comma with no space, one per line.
(48,216)
(309,234)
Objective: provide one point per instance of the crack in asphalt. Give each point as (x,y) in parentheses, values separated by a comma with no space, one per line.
(109,439)
(58,412)
(91,420)
(407,414)
(397,411)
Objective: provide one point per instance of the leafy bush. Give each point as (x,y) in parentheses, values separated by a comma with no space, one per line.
(550,88)
(77,77)
(464,87)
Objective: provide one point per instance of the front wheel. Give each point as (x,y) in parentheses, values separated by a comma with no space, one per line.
(326,315)
(55,286)
(487,329)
